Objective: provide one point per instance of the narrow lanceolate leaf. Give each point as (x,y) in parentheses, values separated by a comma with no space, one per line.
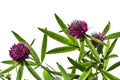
(91,57)
(63,72)
(65,30)
(44,47)
(47,76)
(106,29)
(105,63)
(20,72)
(34,55)
(32,71)
(56,36)
(93,50)
(8,62)
(115,65)
(111,47)
(106,48)
(110,76)
(32,63)
(112,56)
(62,49)
(77,65)
(113,35)
(32,42)
(9,69)
(21,40)
(104,76)
(85,74)
(81,50)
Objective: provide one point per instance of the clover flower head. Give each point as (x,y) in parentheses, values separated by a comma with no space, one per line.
(19,52)
(78,28)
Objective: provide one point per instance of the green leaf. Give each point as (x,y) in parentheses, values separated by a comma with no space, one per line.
(93,50)
(56,36)
(44,47)
(105,64)
(32,42)
(65,30)
(9,69)
(106,48)
(77,65)
(85,74)
(11,62)
(100,49)
(20,72)
(110,76)
(87,64)
(111,48)
(115,65)
(32,63)
(47,76)
(73,70)
(106,29)
(112,56)
(21,40)
(62,24)
(34,55)
(81,49)
(91,57)
(104,76)
(62,49)
(32,71)
(113,35)
(63,72)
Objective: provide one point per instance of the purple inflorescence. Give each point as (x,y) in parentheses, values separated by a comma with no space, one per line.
(99,36)
(78,28)
(19,52)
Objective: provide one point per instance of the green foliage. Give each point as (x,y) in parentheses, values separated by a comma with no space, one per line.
(9,69)
(113,35)
(111,48)
(62,49)
(20,72)
(63,72)
(110,76)
(79,66)
(115,65)
(85,74)
(32,71)
(81,49)
(93,50)
(8,62)
(56,36)
(91,61)
(107,28)
(47,76)
(44,47)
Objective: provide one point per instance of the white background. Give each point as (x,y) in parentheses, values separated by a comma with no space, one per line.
(25,16)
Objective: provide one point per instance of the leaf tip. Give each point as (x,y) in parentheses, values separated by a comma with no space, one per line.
(109,22)
(55,14)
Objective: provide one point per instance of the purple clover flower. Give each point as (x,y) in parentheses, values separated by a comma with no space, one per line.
(99,36)
(19,52)
(78,28)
